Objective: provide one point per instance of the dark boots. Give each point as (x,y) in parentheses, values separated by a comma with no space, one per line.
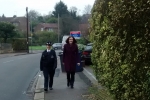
(70,79)
(72,84)
(68,83)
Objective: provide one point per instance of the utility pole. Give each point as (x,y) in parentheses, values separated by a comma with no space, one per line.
(27,29)
(31,33)
(58,28)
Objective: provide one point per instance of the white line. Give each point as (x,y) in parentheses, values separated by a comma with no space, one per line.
(90,74)
(22,58)
(24,92)
(8,61)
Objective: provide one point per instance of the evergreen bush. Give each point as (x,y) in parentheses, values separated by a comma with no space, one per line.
(120,31)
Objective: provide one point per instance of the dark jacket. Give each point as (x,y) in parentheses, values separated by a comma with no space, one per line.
(70,57)
(48,60)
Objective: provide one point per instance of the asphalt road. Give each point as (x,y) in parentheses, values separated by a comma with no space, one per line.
(16,73)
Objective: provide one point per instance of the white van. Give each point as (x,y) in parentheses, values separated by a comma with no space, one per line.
(64,40)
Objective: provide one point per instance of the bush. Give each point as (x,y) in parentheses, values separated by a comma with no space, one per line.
(82,41)
(81,47)
(41,38)
(120,31)
(19,44)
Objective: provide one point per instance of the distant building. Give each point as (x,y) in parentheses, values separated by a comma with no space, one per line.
(19,22)
(51,27)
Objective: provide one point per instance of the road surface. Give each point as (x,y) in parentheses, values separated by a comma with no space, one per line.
(16,73)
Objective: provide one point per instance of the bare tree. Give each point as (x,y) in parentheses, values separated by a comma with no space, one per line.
(87,9)
(73,9)
(34,14)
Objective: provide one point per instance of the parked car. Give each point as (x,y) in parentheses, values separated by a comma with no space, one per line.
(57,46)
(86,54)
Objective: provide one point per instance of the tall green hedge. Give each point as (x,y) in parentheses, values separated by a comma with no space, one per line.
(120,31)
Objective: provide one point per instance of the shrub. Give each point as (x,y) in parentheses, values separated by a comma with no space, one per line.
(82,41)
(41,38)
(120,31)
(81,47)
(19,44)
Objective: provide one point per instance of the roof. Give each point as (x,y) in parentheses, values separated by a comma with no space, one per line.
(49,25)
(13,19)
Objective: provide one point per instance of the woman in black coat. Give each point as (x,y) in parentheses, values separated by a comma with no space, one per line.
(70,59)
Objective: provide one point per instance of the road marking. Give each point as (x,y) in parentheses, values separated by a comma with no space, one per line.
(90,74)
(24,92)
(22,57)
(13,60)
(8,61)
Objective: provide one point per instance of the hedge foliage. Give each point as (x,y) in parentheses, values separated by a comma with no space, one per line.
(82,41)
(120,31)
(40,38)
(19,44)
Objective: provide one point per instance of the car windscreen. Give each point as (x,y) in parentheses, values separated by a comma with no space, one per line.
(88,47)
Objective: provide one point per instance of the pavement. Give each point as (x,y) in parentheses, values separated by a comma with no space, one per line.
(61,92)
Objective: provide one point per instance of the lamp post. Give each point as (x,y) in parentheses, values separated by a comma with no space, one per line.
(31,33)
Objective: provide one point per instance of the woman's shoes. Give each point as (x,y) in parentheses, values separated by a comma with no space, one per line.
(46,90)
(50,88)
(68,83)
(72,87)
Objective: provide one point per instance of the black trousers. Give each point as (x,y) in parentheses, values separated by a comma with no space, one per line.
(71,77)
(48,78)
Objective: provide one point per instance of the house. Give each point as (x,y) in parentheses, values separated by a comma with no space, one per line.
(51,27)
(19,22)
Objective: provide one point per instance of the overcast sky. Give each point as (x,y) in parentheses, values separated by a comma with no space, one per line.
(17,7)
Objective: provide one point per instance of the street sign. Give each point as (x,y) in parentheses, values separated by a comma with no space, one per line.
(75,34)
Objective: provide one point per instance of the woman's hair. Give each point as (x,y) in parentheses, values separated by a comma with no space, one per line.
(74,40)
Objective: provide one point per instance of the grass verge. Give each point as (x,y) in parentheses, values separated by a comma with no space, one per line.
(96,93)
(37,47)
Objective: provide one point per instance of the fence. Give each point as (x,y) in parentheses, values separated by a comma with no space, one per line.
(5,48)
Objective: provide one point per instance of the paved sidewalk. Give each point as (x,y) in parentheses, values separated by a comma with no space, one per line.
(61,91)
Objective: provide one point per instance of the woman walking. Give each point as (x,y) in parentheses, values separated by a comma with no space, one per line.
(70,59)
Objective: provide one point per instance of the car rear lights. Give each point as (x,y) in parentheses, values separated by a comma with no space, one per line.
(85,53)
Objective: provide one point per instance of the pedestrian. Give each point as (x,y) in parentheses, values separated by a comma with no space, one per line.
(70,60)
(48,64)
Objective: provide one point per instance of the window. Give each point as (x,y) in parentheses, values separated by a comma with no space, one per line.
(16,24)
(88,47)
(41,29)
(51,30)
